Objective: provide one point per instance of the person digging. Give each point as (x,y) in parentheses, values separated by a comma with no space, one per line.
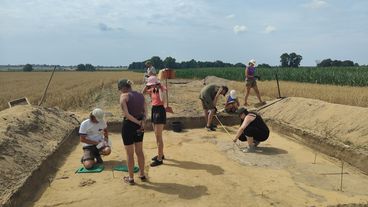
(252,129)
(209,96)
(94,136)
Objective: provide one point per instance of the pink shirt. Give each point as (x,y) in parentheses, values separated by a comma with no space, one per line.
(155,96)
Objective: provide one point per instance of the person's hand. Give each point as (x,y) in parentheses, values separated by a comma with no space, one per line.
(142,124)
(235,140)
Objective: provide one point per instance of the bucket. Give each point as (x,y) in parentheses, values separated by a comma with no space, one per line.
(176,126)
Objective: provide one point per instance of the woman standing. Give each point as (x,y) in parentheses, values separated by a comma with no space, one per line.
(251,82)
(158,115)
(134,108)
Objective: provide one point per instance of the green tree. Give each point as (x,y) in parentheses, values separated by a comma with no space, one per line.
(81,67)
(284,60)
(294,60)
(170,62)
(90,67)
(157,62)
(27,68)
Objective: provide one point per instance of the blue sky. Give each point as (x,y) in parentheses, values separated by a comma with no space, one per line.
(118,32)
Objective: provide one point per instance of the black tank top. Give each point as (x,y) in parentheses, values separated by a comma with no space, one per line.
(257,123)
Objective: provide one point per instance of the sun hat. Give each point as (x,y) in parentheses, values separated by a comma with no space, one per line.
(233,94)
(152,80)
(253,61)
(124,83)
(98,114)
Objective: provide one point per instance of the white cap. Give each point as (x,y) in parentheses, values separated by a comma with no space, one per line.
(233,94)
(98,114)
(253,61)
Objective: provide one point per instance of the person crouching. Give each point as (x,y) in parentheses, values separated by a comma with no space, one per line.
(253,129)
(94,136)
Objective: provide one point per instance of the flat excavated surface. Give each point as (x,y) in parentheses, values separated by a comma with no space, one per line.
(205,169)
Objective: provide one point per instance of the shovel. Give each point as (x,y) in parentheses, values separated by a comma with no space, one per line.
(168,108)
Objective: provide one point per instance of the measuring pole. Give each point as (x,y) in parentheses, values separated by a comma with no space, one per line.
(44,93)
(278,86)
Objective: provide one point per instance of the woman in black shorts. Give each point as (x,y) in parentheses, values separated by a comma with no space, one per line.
(158,115)
(253,129)
(134,108)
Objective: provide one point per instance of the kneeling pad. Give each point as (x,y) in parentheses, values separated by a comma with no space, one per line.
(94,169)
(125,168)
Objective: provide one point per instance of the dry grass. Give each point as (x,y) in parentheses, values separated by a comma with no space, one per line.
(82,90)
(347,95)
(68,90)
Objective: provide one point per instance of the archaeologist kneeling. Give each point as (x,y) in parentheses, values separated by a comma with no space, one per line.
(253,129)
(94,136)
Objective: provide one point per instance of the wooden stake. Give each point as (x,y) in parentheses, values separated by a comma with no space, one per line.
(342,174)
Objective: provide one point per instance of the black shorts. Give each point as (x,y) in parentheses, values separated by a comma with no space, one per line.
(130,132)
(158,115)
(90,153)
(257,134)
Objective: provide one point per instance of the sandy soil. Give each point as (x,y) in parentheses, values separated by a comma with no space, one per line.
(27,136)
(205,169)
(202,169)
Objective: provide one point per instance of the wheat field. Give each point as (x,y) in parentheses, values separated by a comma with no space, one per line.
(81,90)
(67,90)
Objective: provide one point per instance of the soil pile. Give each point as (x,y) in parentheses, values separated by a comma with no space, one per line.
(343,128)
(28,135)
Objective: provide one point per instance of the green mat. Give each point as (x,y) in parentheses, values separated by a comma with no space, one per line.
(94,169)
(125,168)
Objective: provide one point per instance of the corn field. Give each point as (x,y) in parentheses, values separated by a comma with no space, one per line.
(343,76)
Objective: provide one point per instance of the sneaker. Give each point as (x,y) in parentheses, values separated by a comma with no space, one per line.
(99,160)
(213,125)
(129,180)
(210,128)
(155,157)
(156,163)
(250,149)
(256,143)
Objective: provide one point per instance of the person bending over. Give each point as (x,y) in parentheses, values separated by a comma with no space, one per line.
(252,129)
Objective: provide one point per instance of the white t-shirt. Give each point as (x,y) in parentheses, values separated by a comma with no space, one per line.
(94,131)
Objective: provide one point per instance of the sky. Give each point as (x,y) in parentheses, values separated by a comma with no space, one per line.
(118,32)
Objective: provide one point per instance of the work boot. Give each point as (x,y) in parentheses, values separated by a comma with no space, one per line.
(210,128)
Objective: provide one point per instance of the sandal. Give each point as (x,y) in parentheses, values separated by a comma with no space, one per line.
(143,178)
(155,157)
(128,180)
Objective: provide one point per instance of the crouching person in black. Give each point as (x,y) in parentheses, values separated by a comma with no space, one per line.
(252,129)
(94,136)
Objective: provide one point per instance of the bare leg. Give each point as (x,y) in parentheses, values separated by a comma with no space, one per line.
(140,157)
(206,115)
(88,164)
(130,158)
(246,96)
(210,117)
(250,141)
(160,144)
(257,93)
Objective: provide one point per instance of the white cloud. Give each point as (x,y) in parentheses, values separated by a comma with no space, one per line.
(316,4)
(230,16)
(269,29)
(239,29)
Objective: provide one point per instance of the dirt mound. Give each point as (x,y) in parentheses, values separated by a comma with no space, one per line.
(343,128)
(28,135)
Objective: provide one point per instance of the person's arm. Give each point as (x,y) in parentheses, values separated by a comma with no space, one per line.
(123,104)
(144,91)
(143,121)
(246,72)
(84,139)
(217,95)
(248,119)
